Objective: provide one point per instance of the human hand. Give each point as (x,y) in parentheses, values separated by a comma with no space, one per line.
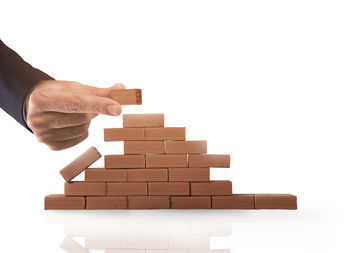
(59,112)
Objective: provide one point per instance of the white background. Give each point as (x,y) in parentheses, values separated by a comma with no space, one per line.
(265,81)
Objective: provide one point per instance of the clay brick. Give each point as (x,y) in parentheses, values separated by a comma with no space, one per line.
(144,147)
(170,161)
(189,174)
(143,120)
(127,96)
(223,187)
(165,133)
(124,161)
(105,175)
(80,164)
(84,189)
(148,202)
(186,147)
(209,160)
(235,201)
(197,202)
(61,202)
(146,175)
(94,203)
(168,188)
(124,134)
(124,189)
(275,201)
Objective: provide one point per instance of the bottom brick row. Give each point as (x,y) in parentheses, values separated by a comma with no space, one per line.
(235,201)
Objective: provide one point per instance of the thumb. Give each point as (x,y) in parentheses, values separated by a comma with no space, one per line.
(105,92)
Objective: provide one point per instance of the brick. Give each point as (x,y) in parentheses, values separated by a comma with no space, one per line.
(105,175)
(124,161)
(165,133)
(80,164)
(127,96)
(275,201)
(61,202)
(84,189)
(144,147)
(148,202)
(209,160)
(168,188)
(189,174)
(223,187)
(235,201)
(143,120)
(190,202)
(124,134)
(186,147)
(146,175)
(124,189)
(170,161)
(94,203)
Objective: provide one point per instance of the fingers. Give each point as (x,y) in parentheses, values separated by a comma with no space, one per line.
(62,134)
(105,92)
(60,145)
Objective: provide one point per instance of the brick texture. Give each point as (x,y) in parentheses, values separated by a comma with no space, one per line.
(165,133)
(189,174)
(144,147)
(275,201)
(170,161)
(235,201)
(127,96)
(191,202)
(84,189)
(187,147)
(212,188)
(148,202)
(147,175)
(105,175)
(124,189)
(209,160)
(143,120)
(168,188)
(124,134)
(61,202)
(106,203)
(124,161)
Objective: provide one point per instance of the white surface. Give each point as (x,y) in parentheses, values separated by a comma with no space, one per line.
(265,81)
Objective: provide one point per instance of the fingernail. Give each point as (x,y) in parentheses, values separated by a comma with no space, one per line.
(120,86)
(113,109)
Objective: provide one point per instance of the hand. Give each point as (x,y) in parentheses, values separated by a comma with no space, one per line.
(59,112)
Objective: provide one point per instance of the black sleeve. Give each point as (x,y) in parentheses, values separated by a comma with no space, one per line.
(17,77)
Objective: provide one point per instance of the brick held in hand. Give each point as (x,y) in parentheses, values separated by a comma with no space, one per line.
(190,202)
(124,189)
(235,201)
(147,175)
(124,134)
(186,147)
(275,201)
(124,161)
(80,164)
(143,147)
(84,189)
(105,175)
(189,174)
(168,188)
(143,120)
(93,203)
(127,96)
(165,133)
(61,202)
(148,202)
(209,160)
(223,187)
(170,161)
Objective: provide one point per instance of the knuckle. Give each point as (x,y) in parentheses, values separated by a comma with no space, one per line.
(75,104)
(37,99)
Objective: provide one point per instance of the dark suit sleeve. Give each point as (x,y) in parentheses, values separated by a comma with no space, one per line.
(17,77)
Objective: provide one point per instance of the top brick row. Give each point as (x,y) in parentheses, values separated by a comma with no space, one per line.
(143,120)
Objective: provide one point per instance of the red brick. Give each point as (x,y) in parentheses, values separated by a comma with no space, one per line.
(275,201)
(124,134)
(124,189)
(209,160)
(183,147)
(105,175)
(144,147)
(61,202)
(84,189)
(168,188)
(223,187)
(124,161)
(94,203)
(146,175)
(189,174)
(235,201)
(170,161)
(143,120)
(196,202)
(148,202)
(127,96)
(165,133)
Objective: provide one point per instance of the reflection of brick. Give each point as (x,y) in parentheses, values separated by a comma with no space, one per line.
(235,201)
(127,96)
(190,147)
(275,201)
(61,202)
(106,203)
(209,160)
(145,175)
(189,174)
(84,189)
(124,134)
(148,202)
(144,147)
(124,189)
(191,202)
(165,133)
(143,120)
(212,188)
(105,175)
(168,188)
(156,161)
(124,161)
